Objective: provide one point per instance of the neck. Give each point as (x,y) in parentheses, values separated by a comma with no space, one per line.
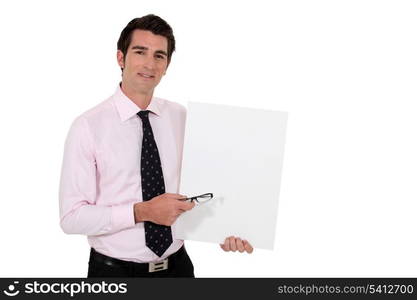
(142,100)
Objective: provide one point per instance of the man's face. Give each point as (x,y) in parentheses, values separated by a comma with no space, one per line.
(146,61)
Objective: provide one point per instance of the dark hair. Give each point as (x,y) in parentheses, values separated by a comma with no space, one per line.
(151,23)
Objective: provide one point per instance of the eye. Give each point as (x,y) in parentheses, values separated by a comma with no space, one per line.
(159,56)
(139,52)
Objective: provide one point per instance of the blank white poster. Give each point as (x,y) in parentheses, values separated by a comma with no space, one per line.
(237,154)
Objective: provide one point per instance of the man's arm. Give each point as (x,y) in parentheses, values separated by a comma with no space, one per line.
(79,213)
(163,209)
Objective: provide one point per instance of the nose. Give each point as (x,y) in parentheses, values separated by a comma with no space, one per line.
(149,62)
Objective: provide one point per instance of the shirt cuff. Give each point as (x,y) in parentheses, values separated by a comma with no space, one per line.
(122,216)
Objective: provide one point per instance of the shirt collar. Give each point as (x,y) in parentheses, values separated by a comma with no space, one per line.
(127,108)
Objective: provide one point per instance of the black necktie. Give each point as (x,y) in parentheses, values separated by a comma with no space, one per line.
(158,237)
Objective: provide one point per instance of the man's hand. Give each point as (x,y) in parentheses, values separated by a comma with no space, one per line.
(163,209)
(232,244)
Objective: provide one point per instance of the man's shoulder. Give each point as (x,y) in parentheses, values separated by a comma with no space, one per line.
(95,115)
(171,106)
(98,110)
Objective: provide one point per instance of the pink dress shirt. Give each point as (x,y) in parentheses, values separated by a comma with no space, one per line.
(100,179)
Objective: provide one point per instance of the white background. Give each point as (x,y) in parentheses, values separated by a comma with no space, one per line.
(346,72)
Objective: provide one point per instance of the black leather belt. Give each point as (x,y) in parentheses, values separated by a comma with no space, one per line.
(143,267)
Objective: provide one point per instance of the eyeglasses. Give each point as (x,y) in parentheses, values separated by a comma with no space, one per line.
(200,199)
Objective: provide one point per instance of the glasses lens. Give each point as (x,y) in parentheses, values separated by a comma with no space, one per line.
(204,198)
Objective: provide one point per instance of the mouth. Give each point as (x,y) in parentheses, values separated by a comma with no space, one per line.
(146,76)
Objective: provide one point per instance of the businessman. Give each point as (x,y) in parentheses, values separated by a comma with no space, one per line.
(121,167)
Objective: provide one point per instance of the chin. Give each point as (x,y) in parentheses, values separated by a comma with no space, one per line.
(144,90)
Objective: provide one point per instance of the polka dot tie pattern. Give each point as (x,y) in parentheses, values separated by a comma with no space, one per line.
(158,237)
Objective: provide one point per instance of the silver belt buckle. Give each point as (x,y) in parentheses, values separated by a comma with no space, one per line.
(159,266)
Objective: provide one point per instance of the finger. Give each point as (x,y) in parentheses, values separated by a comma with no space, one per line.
(233,244)
(181,210)
(223,247)
(186,205)
(248,246)
(239,245)
(226,245)
(171,221)
(175,196)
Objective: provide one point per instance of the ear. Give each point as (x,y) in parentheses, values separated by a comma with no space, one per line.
(120,59)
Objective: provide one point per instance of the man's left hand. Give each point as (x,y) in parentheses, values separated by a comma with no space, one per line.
(235,243)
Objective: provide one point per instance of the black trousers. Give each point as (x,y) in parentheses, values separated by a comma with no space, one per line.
(179,265)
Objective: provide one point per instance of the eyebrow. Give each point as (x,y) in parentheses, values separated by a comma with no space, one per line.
(137,47)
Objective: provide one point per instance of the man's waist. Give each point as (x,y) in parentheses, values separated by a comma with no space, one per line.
(121,247)
(159,265)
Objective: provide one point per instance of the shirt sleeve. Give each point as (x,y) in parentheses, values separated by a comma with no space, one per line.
(79,213)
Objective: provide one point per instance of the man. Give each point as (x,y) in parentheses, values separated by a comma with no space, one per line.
(121,168)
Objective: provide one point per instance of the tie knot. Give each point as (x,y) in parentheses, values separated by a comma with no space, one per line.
(143,114)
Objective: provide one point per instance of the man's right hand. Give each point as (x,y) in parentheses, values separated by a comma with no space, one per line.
(163,209)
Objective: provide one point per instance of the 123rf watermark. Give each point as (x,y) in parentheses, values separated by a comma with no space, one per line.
(70,289)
